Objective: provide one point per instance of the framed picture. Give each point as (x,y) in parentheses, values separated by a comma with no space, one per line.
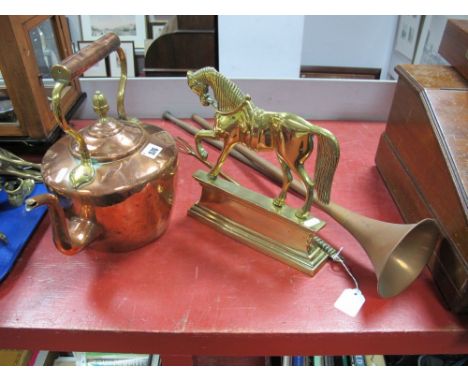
(156,29)
(432,31)
(97,70)
(407,35)
(155,25)
(114,62)
(128,28)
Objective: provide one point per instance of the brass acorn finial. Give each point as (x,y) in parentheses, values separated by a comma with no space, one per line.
(100,105)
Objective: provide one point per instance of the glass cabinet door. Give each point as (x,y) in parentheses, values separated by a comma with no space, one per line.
(29,47)
(45,47)
(7,113)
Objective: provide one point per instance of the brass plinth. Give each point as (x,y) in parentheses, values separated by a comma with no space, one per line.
(253,219)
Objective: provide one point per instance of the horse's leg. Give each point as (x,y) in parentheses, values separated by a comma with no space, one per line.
(303,213)
(199,136)
(287,179)
(229,144)
(309,184)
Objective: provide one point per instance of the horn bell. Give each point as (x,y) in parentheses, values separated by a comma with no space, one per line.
(398,252)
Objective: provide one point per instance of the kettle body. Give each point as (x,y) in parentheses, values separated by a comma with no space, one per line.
(129,200)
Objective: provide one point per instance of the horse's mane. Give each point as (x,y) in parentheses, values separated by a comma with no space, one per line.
(228,95)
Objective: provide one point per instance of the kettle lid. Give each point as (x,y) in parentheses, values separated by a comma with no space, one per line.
(109,139)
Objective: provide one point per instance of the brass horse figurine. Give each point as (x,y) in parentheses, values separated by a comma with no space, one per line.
(237,120)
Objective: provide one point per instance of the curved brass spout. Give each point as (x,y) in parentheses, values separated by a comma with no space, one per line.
(70,235)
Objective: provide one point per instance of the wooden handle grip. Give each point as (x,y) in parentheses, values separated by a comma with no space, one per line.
(81,61)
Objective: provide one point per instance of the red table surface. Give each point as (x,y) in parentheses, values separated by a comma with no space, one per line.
(196,291)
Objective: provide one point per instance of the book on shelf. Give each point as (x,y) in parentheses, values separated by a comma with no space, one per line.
(358,360)
(106,359)
(12,357)
(87,357)
(375,360)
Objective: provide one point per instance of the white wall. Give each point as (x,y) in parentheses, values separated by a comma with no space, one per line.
(356,41)
(311,98)
(260,46)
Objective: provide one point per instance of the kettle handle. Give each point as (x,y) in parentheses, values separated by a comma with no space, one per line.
(65,73)
(76,64)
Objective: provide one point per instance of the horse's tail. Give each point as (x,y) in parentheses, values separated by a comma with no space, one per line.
(328,155)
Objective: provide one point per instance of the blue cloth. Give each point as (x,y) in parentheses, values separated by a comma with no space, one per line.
(18,225)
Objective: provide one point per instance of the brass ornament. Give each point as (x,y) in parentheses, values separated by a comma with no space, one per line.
(18,190)
(238,120)
(13,165)
(268,225)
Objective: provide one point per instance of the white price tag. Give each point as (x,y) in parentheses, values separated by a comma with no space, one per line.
(311,222)
(350,302)
(151,150)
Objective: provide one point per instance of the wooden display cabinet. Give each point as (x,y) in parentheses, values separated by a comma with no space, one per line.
(29,47)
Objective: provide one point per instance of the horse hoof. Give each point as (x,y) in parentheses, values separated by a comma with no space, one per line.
(203,153)
(303,215)
(278,202)
(212,176)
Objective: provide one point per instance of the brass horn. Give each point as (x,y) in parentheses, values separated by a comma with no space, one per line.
(398,252)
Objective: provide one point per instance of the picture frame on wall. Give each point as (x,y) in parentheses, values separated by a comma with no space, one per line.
(155,25)
(407,35)
(100,69)
(127,27)
(157,28)
(114,62)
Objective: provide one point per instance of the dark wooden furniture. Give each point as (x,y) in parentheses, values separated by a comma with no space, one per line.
(198,292)
(186,42)
(26,56)
(340,72)
(454,45)
(423,158)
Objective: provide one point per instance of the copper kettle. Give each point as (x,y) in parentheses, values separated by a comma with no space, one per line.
(112,183)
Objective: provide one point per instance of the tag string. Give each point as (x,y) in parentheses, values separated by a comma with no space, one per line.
(336,257)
